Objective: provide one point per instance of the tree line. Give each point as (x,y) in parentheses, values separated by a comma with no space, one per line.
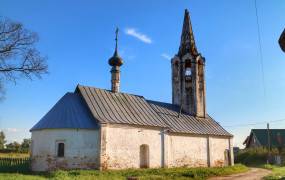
(22,147)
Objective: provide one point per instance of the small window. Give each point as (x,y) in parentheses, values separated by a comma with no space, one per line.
(60,150)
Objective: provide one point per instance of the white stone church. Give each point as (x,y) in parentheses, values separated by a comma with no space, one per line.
(94,128)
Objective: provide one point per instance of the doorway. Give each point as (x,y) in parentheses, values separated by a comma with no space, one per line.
(144,156)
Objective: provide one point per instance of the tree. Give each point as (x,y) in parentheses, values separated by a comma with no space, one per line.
(25,145)
(14,146)
(18,54)
(2,140)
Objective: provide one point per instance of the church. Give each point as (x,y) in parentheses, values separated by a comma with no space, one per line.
(93,128)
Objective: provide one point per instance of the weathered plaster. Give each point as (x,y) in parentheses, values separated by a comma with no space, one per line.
(187,150)
(81,149)
(218,146)
(123,145)
(118,147)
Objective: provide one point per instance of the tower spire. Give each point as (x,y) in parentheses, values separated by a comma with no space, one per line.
(188,79)
(187,44)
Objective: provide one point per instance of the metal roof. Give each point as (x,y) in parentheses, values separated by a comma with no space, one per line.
(185,123)
(123,108)
(277,137)
(87,107)
(69,112)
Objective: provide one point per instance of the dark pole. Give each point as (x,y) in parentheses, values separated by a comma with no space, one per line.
(268,137)
(268,141)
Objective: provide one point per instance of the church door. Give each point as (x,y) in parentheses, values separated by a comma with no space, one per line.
(144,156)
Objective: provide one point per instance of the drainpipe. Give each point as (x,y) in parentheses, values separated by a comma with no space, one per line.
(163,148)
(208,152)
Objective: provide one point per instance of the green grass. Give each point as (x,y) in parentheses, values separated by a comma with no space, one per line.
(278,172)
(167,173)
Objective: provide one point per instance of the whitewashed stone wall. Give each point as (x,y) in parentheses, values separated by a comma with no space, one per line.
(188,151)
(218,146)
(118,147)
(122,148)
(198,151)
(81,149)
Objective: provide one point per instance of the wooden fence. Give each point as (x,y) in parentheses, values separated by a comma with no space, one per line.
(14,164)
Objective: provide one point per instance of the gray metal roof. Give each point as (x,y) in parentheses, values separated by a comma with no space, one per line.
(69,112)
(123,108)
(87,107)
(186,123)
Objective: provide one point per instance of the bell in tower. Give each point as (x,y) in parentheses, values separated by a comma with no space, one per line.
(188,74)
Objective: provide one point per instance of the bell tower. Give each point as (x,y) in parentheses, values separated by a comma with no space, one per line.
(188,74)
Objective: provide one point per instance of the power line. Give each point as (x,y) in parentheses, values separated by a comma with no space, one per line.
(260,51)
(255,123)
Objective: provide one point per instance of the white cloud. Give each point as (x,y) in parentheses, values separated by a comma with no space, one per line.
(165,56)
(12,130)
(133,32)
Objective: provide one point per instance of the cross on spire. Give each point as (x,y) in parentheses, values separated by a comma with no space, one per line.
(116,39)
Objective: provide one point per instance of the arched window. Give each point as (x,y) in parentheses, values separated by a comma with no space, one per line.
(144,156)
(188,71)
(60,150)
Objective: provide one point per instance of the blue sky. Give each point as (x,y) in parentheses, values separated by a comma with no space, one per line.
(78,38)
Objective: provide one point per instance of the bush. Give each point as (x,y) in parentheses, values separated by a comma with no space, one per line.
(254,156)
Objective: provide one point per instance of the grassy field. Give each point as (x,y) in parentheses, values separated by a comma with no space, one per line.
(171,173)
(14,155)
(277,172)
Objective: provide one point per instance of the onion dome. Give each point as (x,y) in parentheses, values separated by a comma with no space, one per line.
(116,60)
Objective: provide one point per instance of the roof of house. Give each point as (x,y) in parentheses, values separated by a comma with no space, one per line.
(69,112)
(277,137)
(122,108)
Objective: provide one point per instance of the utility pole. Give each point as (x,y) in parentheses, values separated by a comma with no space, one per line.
(268,137)
(269,143)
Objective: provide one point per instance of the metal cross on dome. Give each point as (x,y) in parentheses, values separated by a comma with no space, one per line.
(116,39)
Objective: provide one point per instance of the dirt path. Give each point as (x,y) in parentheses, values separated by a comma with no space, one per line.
(252,174)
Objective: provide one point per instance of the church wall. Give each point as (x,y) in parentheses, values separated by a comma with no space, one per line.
(81,149)
(123,142)
(218,151)
(187,151)
(197,151)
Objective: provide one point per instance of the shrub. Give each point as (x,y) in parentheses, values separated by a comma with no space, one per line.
(254,156)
